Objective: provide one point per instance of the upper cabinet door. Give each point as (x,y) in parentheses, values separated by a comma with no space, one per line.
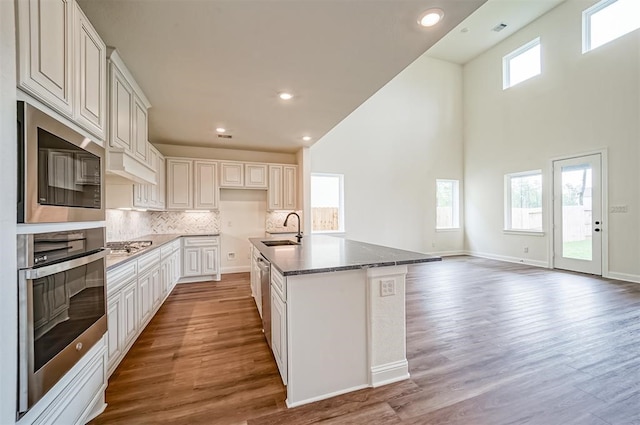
(140,144)
(255,176)
(179,184)
(45,56)
(91,77)
(289,187)
(206,186)
(274,194)
(121,102)
(232,174)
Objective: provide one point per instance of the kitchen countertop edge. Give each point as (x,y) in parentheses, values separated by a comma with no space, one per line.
(271,254)
(158,240)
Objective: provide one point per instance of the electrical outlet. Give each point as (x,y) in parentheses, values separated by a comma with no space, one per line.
(231,256)
(387,287)
(526,249)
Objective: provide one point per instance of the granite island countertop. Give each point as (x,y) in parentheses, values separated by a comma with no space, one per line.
(324,253)
(157,240)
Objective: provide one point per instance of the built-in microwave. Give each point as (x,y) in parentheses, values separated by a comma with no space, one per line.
(60,172)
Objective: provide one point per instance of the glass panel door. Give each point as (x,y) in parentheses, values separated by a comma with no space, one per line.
(577,214)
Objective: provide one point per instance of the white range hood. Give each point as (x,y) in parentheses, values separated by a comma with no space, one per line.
(124,165)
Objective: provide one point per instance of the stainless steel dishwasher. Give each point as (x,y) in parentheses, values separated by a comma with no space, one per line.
(265,288)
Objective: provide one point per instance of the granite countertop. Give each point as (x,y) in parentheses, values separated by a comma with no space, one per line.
(157,241)
(323,253)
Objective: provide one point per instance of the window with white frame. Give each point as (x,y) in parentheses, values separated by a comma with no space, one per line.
(607,20)
(327,203)
(447,204)
(521,64)
(523,201)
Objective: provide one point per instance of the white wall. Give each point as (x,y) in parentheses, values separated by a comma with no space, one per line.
(8,173)
(242,216)
(391,150)
(578,104)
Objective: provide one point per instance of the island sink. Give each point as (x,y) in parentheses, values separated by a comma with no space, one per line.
(280,242)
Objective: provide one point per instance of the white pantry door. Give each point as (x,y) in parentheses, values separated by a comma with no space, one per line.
(577,214)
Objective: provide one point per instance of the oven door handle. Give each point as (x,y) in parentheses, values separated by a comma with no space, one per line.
(40,272)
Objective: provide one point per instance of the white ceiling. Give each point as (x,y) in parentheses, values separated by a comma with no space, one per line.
(475,34)
(210,63)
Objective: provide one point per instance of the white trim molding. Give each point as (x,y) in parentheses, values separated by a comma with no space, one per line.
(389,373)
(508,259)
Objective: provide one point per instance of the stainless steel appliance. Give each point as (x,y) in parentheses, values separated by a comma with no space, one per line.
(60,172)
(265,288)
(61,294)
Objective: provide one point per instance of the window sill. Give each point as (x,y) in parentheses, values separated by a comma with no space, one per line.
(329,232)
(449,229)
(523,232)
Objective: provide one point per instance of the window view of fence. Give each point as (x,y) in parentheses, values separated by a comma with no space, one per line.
(524,193)
(447,210)
(327,203)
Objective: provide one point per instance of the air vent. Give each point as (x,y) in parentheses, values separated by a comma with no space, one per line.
(499,27)
(224,136)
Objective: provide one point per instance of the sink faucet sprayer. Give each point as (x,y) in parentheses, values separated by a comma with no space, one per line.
(299,235)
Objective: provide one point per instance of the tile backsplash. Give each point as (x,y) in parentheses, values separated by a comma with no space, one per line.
(125,225)
(275,219)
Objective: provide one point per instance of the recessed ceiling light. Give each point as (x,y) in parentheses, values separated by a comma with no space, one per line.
(431,17)
(306,138)
(285,96)
(221,130)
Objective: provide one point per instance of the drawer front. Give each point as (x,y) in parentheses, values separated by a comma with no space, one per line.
(201,241)
(148,260)
(167,250)
(119,276)
(279,282)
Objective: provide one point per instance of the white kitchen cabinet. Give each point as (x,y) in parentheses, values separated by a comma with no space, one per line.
(121,122)
(151,196)
(139,129)
(201,258)
(179,184)
(289,187)
(279,333)
(130,312)
(232,174)
(192,184)
(282,192)
(62,62)
(45,51)
(256,289)
(115,337)
(206,187)
(90,109)
(145,301)
(128,147)
(255,176)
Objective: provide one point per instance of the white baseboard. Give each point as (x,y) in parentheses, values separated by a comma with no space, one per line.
(236,269)
(536,263)
(324,396)
(447,253)
(623,276)
(197,279)
(389,373)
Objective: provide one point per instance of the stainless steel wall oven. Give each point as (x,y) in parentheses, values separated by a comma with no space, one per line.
(60,172)
(61,294)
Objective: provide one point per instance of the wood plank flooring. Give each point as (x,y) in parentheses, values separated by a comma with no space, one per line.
(488,343)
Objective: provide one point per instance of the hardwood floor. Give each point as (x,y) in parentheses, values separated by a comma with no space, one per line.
(488,343)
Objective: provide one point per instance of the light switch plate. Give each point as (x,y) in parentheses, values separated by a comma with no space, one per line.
(618,209)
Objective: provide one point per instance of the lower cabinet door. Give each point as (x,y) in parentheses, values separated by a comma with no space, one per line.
(209,260)
(130,312)
(145,294)
(115,339)
(156,284)
(192,262)
(279,333)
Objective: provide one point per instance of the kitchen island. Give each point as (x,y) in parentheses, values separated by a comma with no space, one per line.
(338,320)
